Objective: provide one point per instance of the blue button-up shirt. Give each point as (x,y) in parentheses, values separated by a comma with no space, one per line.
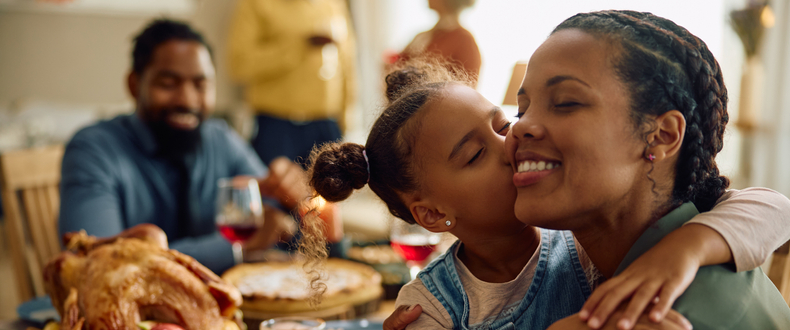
(113,179)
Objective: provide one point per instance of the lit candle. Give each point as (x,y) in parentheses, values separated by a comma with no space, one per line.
(330,214)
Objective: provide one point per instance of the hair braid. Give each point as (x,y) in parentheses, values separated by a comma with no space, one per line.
(667,68)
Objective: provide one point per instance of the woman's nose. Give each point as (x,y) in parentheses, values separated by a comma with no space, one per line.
(528,127)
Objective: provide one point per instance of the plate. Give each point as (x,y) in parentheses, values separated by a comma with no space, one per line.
(354,325)
(38,310)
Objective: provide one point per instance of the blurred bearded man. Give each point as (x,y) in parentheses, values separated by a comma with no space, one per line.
(161,164)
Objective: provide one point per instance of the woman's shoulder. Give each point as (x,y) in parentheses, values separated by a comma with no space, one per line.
(459,33)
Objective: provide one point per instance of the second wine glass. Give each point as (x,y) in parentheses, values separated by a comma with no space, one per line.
(414,243)
(239,211)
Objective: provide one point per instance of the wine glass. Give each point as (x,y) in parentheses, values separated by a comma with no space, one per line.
(239,211)
(293,323)
(414,243)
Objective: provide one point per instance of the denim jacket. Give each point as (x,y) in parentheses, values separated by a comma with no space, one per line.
(558,289)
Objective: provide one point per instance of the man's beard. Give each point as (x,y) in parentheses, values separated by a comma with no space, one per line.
(173,142)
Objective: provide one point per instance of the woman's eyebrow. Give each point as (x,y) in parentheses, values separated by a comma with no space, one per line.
(558,79)
(555,80)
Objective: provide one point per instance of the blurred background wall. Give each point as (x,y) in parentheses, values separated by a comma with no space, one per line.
(59,59)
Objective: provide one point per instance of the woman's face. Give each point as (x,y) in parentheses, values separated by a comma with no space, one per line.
(575,129)
(462,164)
(438,5)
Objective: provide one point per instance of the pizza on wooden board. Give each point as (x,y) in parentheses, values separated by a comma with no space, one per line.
(282,287)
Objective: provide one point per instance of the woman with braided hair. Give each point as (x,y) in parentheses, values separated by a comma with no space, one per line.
(630,110)
(436,156)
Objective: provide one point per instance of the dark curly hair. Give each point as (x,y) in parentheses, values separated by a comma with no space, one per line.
(337,169)
(667,68)
(158,32)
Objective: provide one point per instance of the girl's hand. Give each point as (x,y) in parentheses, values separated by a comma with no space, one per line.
(659,276)
(673,321)
(402,317)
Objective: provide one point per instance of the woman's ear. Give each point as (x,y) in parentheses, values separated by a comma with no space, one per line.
(430,217)
(665,141)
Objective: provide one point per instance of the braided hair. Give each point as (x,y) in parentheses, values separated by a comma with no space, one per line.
(667,68)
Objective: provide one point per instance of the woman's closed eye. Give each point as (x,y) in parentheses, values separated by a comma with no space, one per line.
(504,128)
(568,104)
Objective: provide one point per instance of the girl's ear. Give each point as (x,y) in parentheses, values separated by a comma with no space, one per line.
(430,217)
(666,140)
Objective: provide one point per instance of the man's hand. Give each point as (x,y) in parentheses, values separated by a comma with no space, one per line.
(286,182)
(277,226)
(402,317)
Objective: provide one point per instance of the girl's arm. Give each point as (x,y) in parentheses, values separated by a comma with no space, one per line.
(753,221)
(744,227)
(432,316)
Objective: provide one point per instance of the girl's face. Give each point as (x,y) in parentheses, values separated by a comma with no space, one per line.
(462,165)
(576,130)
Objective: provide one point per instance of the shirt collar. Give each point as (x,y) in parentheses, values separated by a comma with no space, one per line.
(143,134)
(657,231)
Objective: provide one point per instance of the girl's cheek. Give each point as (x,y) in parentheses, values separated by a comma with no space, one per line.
(510,144)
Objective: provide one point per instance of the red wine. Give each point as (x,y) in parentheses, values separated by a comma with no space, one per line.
(237,233)
(416,253)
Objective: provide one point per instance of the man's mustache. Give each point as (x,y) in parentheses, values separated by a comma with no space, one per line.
(182,110)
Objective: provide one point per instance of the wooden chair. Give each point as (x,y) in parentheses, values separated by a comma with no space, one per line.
(29,181)
(511,94)
(779,272)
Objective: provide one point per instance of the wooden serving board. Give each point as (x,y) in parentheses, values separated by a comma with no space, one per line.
(363,296)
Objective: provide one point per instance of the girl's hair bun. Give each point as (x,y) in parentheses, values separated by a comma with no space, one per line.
(337,170)
(401,80)
(423,71)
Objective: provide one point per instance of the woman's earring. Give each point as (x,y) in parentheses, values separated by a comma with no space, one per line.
(448,223)
(651,157)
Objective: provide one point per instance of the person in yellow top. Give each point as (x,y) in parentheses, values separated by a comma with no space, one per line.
(296,58)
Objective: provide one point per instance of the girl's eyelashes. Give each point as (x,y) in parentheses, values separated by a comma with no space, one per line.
(475,157)
(520,114)
(504,128)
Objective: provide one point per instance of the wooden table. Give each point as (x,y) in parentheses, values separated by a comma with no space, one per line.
(386,308)
(15,325)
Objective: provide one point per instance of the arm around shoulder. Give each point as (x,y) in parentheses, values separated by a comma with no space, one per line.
(754,222)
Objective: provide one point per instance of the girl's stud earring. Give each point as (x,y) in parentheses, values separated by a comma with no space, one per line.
(651,157)
(448,223)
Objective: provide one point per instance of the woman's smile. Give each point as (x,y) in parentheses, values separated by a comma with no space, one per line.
(531,168)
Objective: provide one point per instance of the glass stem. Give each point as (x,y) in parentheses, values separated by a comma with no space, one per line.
(414,270)
(238,256)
